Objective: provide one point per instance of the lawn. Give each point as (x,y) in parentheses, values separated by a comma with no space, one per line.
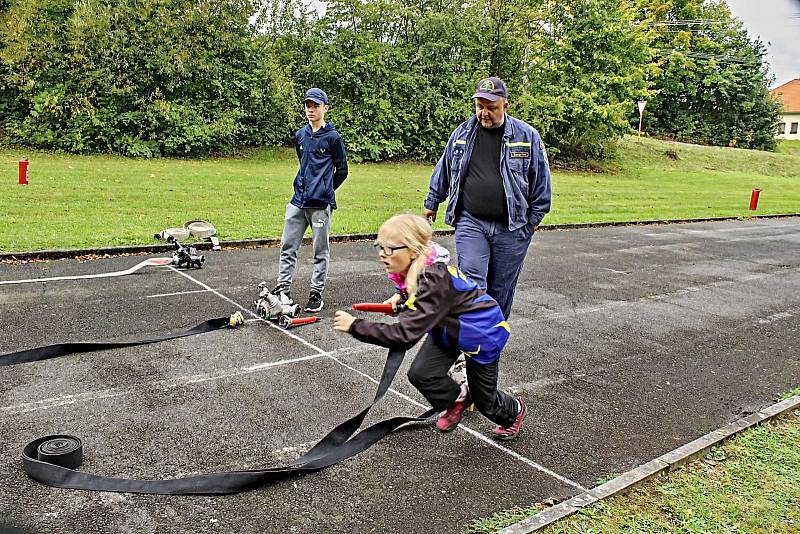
(749,484)
(789,147)
(96,201)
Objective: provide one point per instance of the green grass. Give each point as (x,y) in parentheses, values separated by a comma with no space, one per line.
(96,201)
(789,147)
(751,484)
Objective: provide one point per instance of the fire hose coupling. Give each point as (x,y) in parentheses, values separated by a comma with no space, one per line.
(286,322)
(185,256)
(236,320)
(272,307)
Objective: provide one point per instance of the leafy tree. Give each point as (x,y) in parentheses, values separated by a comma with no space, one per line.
(400,74)
(710,79)
(142,78)
(9,97)
(397,73)
(583,70)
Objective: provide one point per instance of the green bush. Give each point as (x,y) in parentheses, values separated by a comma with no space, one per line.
(150,78)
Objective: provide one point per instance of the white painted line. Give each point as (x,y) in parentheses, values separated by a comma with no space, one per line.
(676,457)
(738,228)
(61,401)
(521,458)
(239,372)
(480,436)
(177,293)
(53,402)
(691,231)
(249,311)
(518,320)
(615,271)
(474,433)
(775,317)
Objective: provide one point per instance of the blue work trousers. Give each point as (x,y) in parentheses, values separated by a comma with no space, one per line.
(491,256)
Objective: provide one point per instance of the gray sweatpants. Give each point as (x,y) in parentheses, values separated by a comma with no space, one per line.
(295,223)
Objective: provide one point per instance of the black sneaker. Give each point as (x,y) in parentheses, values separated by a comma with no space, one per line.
(315,303)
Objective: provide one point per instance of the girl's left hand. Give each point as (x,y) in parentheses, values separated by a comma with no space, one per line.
(342,321)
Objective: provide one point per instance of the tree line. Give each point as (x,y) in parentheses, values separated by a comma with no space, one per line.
(155,78)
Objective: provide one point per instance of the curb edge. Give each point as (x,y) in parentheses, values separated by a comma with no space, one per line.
(56,254)
(664,463)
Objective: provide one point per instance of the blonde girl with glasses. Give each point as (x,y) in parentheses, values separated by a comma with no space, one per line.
(458,317)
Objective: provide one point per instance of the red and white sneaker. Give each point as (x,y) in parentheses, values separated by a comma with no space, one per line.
(450,418)
(508,433)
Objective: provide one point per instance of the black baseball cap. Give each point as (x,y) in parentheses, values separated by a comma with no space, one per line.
(317,95)
(492,89)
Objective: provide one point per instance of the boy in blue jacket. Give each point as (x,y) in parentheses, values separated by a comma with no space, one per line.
(323,168)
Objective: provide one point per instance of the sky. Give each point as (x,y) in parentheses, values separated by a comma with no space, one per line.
(777,24)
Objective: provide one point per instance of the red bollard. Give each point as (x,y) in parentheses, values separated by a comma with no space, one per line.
(754,198)
(23,171)
(287,322)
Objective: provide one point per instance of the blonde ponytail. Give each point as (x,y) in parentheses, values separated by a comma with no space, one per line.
(415,233)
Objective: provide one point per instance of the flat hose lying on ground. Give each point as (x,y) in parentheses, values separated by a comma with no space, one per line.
(145,263)
(64,349)
(42,462)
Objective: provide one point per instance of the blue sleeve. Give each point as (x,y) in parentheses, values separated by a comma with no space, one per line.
(439,186)
(339,162)
(297,147)
(539,184)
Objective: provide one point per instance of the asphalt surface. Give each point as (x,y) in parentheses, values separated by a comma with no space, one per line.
(627,342)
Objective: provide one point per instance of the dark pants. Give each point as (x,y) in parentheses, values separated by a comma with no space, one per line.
(491,256)
(428,373)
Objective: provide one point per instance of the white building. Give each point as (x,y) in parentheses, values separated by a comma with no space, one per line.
(789,95)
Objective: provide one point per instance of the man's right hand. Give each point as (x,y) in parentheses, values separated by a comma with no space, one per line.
(429,214)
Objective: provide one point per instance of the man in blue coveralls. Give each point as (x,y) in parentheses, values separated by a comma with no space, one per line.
(495,173)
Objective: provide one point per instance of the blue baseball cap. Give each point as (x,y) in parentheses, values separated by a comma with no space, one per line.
(492,89)
(316,95)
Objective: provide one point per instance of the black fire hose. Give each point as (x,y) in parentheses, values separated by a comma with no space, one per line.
(43,463)
(64,349)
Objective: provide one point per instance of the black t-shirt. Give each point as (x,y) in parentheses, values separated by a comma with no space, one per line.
(482,193)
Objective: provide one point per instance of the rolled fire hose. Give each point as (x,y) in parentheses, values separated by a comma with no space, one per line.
(205,230)
(178,233)
(42,461)
(196,228)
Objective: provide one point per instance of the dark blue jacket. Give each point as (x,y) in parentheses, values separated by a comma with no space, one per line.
(452,309)
(523,167)
(323,166)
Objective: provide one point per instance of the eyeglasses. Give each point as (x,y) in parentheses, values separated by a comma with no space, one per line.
(387,250)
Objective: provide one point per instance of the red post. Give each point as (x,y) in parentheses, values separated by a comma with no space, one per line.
(754,199)
(23,171)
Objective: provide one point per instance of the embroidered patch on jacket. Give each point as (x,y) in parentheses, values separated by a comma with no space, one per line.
(520,155)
